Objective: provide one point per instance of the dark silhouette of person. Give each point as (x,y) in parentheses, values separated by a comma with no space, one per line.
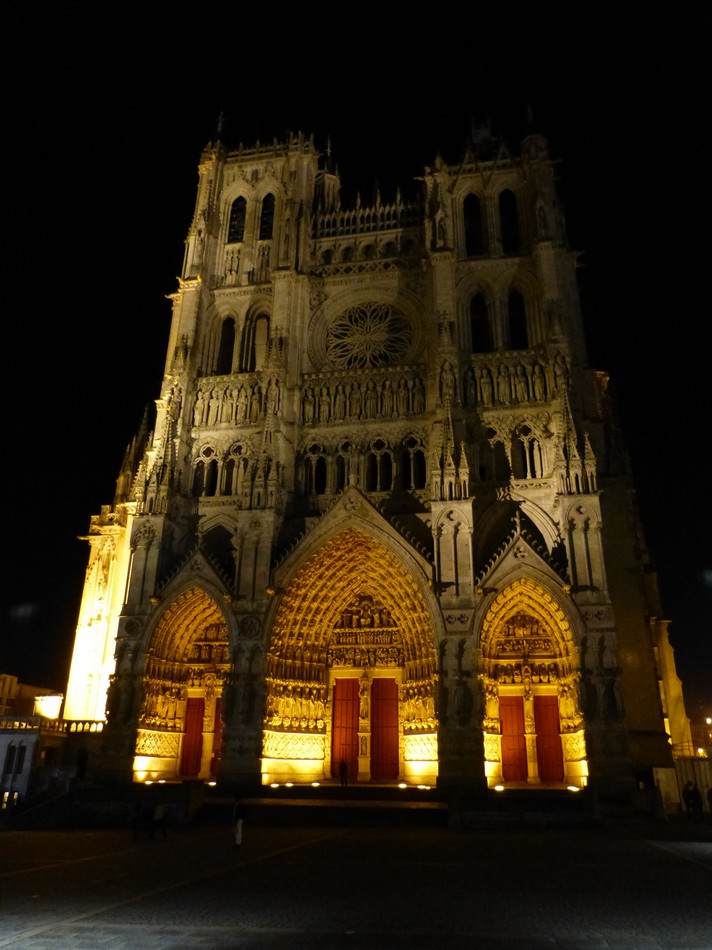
(692,798)
(343,773)
(238,819)
(697,806)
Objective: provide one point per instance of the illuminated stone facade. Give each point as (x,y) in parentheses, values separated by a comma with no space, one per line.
(384,515)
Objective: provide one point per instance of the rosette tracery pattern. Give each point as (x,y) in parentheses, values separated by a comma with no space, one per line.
(367,336)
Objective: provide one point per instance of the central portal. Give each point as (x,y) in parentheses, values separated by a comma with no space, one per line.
(365,728)
(351,670)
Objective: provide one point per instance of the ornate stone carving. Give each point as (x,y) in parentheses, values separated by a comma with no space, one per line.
(284,745)
(373,334)
(163,745)
(420,748)
(492,744)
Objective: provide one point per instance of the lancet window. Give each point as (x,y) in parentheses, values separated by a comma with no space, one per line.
(315,470)
(14,759)
(509,222)
(480,326)
(413,469)
(226,348)
(236,222)
(527,461)
(342,465)
(255,343)
(205,475)
(379,467)
(266,218)
(517,321)
(493,462)
(473,220)
(235,471)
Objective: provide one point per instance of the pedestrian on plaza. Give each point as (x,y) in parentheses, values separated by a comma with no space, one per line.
(692,798)
(343,773)
(688,796)
(697,806)
(238,819)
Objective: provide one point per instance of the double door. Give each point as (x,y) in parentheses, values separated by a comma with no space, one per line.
(548,750)
(374,740)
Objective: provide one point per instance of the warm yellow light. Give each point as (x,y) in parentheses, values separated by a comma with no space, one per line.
(289,784)
(424,787)
(700,751)
(149,781)
(573,788)
(499,788)
(161,781)
(315,784)
(212,784)
(48,706)
(274,785)
(402,785)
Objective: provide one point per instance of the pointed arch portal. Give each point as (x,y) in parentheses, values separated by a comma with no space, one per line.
(187,664)
(351,669)
(533,726)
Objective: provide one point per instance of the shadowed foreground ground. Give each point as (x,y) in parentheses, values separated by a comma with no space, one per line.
(337,887)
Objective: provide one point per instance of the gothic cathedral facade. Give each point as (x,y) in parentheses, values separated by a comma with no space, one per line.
(384,519)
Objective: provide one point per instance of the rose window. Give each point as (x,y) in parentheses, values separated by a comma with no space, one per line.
(370,335)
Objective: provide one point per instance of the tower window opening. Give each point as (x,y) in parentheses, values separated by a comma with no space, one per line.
(480,328)
(320,475)
(226,348)
(198,479)
(509,222)
(406,473)
(236,223)
(255,344)
(472,213)
(266,218)
(211,478)
(517,319)
(229,477)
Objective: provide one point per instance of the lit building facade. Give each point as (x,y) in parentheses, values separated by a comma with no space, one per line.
(384,515)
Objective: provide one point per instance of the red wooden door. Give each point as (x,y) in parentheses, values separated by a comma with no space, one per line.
(384,729)
(217,738)
(193,738)
(548,740)
(514,749)
(344,731)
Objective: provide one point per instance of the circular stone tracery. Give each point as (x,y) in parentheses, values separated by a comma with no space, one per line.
(371,335)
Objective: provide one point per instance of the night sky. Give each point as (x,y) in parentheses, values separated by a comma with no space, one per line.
(104,124)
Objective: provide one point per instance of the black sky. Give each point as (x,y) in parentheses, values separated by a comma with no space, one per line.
(105,117)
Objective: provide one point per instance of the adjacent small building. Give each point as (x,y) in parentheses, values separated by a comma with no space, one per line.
(31,739)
